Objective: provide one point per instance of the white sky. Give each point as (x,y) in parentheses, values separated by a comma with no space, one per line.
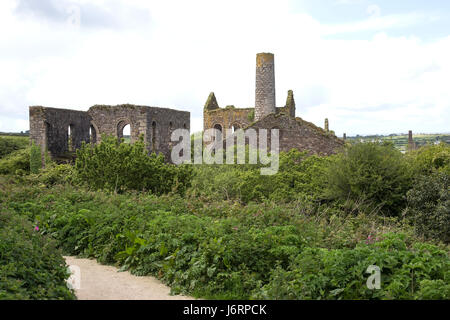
(375,71)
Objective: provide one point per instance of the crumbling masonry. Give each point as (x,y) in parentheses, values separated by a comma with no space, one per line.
(295,133)
(50,127)
(60,131)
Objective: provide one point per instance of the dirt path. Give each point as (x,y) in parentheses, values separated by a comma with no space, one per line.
(100,282)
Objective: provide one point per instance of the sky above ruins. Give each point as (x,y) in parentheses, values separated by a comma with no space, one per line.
(368,66)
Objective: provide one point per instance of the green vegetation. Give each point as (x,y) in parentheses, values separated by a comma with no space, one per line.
(8,144)
(227,232)
(117,166)
(35,159)
(31,267)
(371,171)
(400,141)
(17,162)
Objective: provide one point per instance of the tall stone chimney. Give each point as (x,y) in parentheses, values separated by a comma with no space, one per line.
(411,143)
(265,85)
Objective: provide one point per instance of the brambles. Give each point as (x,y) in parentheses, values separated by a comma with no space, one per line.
(9,144)
(30,265)
(236,234)
(35,159)
(17,162)
(224,250)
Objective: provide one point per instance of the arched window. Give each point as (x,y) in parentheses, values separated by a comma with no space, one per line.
(234,128)
(70,138)
(92,134)
(124,131)
(218,127)
(218,136)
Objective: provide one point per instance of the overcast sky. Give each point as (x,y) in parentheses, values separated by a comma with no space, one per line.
(380,66)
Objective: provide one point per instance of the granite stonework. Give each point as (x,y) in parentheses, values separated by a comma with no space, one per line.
(295,133)
(49,127)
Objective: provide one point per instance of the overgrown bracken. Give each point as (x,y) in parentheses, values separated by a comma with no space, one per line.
(308,232)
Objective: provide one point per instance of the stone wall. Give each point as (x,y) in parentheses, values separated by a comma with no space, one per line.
(265,85)
(227,118)
(49,127)
(296,133)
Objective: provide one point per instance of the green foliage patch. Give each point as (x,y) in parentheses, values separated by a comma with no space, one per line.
(31,267)
(116,166)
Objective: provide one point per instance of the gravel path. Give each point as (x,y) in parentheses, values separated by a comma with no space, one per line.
(100,282)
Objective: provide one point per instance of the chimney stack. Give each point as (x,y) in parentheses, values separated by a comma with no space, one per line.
(265,85)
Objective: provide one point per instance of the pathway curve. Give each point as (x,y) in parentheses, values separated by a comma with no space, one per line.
(100,282)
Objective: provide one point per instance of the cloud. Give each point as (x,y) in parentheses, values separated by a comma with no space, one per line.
(373,10)
(117,14)
(187,49)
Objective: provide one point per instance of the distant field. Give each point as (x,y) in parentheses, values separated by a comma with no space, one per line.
(401,140)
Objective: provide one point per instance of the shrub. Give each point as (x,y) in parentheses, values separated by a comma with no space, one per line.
(429,206)
(35,159)
(225,250)
(299,176)
(56,174)
(116,166)
(372,171)
(30,265)
(406,273)
(428,159)
(11,144)
(17,161)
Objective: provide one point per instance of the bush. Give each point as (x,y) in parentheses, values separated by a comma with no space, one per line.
(30,265)
(56,174)
(317,273)
(224,250)
(376,172)
(428,159)
(35,159)
(429,206)
(16,162)
(299,176)
(116,166)
(11,144)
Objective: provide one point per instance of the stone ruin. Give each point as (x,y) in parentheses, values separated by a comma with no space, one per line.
(62,131)
(295,133)
(411,143)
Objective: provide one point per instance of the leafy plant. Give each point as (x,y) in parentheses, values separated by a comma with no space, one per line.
(372,171)
(30,265)
(116,166)
(429,206)
(35,159)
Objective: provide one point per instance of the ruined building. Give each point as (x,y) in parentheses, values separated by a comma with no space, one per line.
(294,131)
(61,131)
(411,143)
